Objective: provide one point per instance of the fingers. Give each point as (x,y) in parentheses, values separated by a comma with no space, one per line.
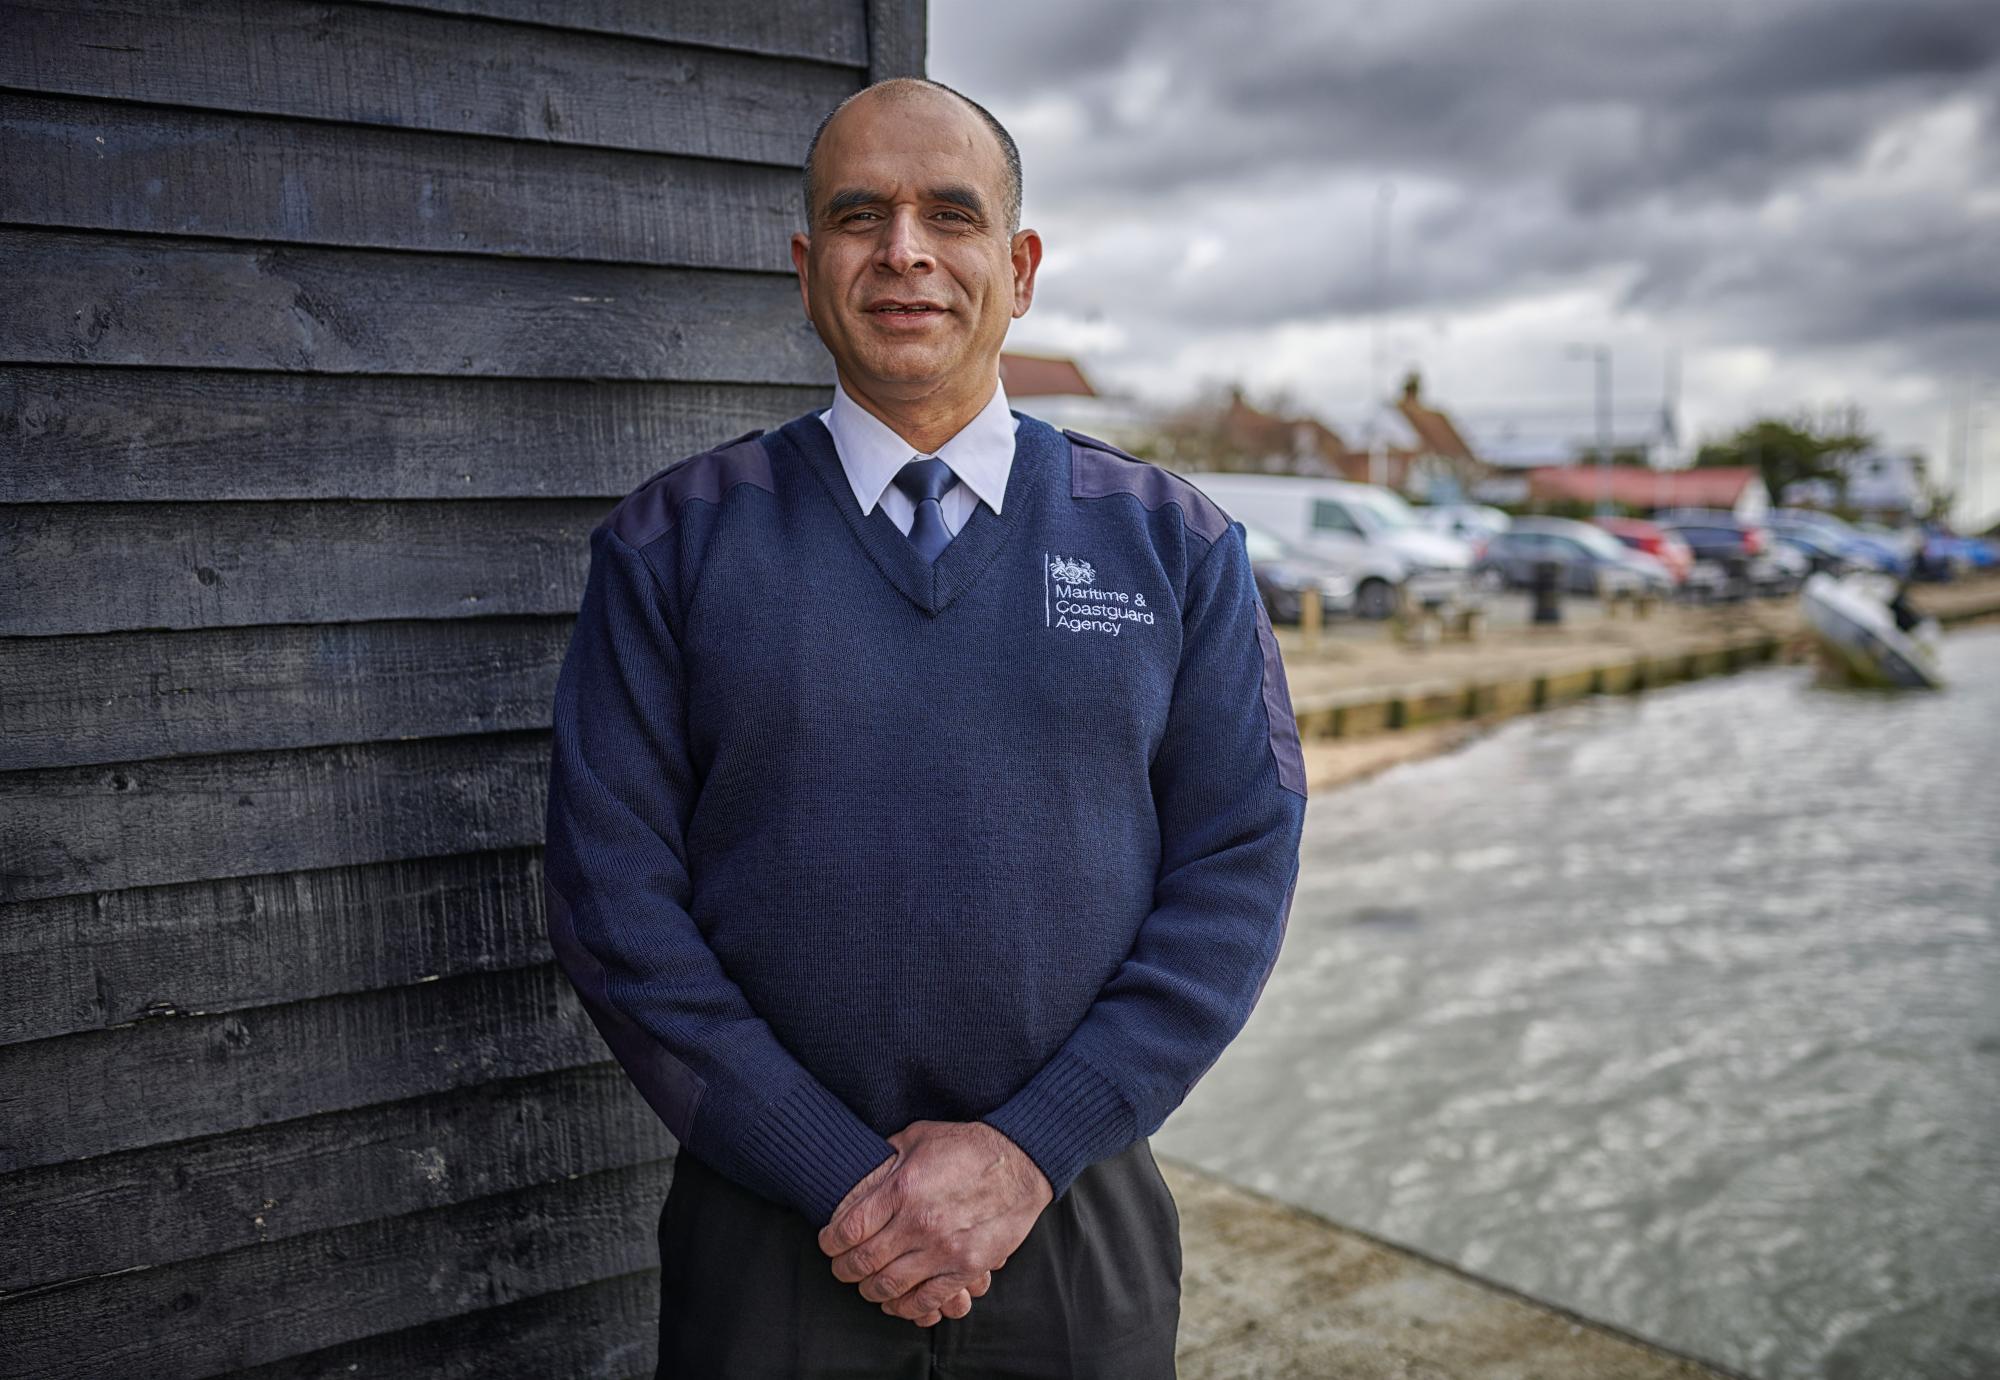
(885,1265)
(866,1210)
(957,1306)
(950,1295)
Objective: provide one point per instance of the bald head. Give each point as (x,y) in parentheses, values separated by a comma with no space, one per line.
(914,93)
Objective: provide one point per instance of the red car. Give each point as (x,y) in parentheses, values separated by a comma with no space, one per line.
(1653,539)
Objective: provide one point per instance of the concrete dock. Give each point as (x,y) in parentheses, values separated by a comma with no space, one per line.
(1365,701)
(1272,1292)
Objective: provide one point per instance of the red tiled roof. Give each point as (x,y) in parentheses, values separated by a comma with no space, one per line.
(1039,376)
(1254,432)
(1434,429)
(1717,487)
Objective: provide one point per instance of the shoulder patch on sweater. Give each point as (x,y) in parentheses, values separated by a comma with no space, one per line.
(654,507)
(1098,469)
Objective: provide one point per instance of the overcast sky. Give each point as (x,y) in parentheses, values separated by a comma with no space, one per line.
(1802,197)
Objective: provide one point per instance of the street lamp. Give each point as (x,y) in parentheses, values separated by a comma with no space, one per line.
(1602,355)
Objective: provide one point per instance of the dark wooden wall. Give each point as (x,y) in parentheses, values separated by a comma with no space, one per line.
(327,331)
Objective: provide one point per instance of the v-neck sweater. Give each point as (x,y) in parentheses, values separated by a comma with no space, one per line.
(839,840)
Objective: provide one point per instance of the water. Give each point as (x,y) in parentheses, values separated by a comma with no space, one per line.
(1681,1010)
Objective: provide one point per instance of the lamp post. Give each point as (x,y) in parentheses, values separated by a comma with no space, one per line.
(1601,354)
(1378,444)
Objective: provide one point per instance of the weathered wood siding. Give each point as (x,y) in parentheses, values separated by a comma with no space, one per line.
(327,332)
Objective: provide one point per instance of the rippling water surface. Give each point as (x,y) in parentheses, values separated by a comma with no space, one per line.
(1680,1010)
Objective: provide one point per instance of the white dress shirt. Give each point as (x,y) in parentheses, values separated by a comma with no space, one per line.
(981,454)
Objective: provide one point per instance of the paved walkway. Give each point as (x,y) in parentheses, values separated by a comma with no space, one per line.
(1271,1292)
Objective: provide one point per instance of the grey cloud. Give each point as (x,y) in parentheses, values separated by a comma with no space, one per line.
(1535,144)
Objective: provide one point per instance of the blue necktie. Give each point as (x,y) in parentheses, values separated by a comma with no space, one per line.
(925,480)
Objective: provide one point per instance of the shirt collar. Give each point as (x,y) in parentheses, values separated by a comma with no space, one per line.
(980,454)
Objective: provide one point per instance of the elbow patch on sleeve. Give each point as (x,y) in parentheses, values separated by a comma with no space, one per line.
(670,1087)
(1283,724)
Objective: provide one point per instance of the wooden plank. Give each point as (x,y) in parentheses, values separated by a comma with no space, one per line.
(827,30)
(110,435)
(92,568)
(609,1330)
(98,960)
(83,298)
(125,697)
(897,38)
(98,165)
(408,70)
(79,829)
(251,1307)
(179,1077)
(222,1193)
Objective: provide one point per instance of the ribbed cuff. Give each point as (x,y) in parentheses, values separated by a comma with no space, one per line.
(810,1149)
(1066,1117)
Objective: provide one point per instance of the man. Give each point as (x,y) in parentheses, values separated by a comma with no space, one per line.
(923,819)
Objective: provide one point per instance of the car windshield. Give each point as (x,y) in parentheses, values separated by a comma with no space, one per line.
(1385,512)
(1599,542)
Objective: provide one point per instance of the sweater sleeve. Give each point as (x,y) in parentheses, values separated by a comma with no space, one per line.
(1228,785)
(622,785)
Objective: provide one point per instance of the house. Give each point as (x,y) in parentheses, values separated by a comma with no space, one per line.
(1737,488)
(1055,389)
(1280,445)
(1042,376)
(1417,449)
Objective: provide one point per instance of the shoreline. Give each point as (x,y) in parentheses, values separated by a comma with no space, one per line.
(1276,1292)
(1362,710)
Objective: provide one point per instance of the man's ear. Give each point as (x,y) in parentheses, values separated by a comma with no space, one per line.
(801,248)
(1026,253)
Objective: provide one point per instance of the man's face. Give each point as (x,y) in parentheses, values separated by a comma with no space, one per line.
(908,273)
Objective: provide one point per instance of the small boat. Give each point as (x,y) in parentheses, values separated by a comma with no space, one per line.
(1868,633)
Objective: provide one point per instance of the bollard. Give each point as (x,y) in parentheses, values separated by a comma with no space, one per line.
(1736,571)
(1310,618)
(1547,585)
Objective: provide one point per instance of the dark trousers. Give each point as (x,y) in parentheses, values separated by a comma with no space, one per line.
(1092,1293)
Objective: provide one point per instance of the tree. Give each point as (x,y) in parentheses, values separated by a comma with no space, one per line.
(1786,450)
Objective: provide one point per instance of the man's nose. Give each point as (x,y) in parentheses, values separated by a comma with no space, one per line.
(905,247)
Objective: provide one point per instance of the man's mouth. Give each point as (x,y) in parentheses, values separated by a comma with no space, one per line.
(910,309)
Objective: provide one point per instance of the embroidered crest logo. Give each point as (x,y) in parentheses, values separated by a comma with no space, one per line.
(1073,601)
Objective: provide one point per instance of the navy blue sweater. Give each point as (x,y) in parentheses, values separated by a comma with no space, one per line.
(838,840)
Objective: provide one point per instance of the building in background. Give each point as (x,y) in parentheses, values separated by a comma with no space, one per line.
(1739,489)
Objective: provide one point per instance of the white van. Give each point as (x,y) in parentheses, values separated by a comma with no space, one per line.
(1368,531)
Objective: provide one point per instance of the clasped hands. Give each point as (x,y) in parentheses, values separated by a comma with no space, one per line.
(924,1232)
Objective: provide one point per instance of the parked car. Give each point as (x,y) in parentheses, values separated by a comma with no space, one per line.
(1970,553)
(1593,561)
(1858,549)
(1655,541)
(1819,551)
(1469,522)
(1369,533)
(1740,548)
(1285,571)
(1908,541)
(1942,556)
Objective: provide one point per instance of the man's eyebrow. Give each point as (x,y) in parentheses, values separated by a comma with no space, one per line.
(850,197)
(952,193)
(958,194)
